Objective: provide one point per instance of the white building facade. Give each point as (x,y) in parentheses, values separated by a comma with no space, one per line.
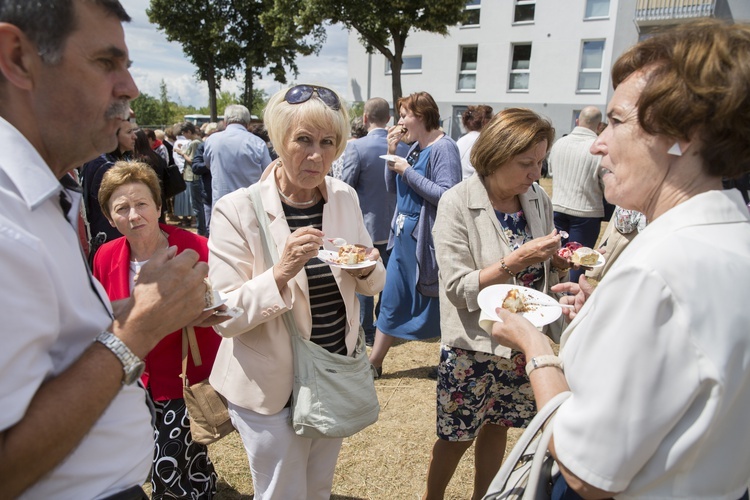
(553,56)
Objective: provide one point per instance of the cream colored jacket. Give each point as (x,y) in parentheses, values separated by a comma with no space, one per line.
(468,237)
(253,368)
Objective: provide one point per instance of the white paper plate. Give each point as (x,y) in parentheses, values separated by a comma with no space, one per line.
(218,300)
(539,315)
(392,157)
(331,258)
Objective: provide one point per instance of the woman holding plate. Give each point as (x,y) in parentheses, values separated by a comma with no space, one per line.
(308,126)
(496,227)
(409,308)
(130,196)
(658,358)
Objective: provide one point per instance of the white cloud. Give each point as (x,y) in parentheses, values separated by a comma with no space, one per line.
(156,59)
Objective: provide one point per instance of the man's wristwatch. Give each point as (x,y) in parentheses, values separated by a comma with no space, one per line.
(132,365)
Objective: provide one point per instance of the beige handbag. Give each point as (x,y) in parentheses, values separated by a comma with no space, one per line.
(207,409)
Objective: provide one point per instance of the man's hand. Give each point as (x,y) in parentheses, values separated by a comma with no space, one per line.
(169,295)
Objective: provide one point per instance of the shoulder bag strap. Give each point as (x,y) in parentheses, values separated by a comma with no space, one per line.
(189,343)
(269,248)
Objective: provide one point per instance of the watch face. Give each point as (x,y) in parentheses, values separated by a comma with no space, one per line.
(134,373)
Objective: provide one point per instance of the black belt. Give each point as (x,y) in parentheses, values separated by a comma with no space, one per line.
(132,493)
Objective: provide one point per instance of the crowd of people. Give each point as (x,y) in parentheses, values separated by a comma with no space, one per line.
(654,348)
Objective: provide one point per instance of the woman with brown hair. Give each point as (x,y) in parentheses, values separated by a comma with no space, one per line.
(409,307)
(473,119)
(658,358)
(494,228)
(130,197)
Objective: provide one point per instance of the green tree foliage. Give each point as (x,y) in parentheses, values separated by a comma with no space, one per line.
(147,110)
(226,37)
(383,25)
(198,25)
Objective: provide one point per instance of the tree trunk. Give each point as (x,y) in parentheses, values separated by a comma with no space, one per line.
(247,98)
(211,81)
(396,65)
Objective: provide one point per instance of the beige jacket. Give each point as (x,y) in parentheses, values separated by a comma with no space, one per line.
(253,368)
(468,237)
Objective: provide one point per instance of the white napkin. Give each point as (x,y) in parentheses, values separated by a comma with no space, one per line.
(485,323)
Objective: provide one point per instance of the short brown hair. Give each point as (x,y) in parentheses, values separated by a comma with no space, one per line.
(476,117)
(697,82)
(509,133)
(127,172)
(424,107)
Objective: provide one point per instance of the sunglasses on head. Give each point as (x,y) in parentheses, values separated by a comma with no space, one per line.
(301,93)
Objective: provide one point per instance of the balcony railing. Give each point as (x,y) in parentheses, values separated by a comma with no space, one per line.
(660,11)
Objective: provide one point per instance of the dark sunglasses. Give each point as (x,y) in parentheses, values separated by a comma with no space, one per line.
(301,93)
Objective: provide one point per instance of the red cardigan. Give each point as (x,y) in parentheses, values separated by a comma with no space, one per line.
(164,362)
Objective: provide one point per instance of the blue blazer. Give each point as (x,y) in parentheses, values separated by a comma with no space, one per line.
(364,170)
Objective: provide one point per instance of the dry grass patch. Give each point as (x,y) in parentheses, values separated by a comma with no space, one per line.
(389,459)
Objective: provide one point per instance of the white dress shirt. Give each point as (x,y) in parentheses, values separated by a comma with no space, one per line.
(50,315)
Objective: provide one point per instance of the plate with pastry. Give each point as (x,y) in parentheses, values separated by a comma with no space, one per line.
(577,254)
(347,257)
(540,309)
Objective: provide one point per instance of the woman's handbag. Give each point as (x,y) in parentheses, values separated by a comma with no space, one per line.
(207,409)
(333,396)
(174,184)
(529,469)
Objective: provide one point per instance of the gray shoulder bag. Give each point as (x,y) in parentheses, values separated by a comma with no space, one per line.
(333,396)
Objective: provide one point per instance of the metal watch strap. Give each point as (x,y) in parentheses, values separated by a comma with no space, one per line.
(132,365)
(542,361)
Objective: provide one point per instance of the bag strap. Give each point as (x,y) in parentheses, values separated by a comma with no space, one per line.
(538,423)
(189,343)
(269,248)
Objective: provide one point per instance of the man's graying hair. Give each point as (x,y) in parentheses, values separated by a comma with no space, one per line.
(237,113)
(48,23)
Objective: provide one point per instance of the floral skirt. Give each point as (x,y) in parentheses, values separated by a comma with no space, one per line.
(476,388)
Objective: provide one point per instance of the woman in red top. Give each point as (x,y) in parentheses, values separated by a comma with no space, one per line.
(130,197)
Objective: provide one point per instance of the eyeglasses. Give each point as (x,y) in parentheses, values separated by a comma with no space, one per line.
(302,93)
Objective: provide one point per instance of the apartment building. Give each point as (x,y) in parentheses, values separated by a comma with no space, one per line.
(553,56)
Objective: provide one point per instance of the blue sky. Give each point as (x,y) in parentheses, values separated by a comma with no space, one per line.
(154,59)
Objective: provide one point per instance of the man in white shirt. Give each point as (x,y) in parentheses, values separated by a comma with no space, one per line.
(74,424)
(577,192)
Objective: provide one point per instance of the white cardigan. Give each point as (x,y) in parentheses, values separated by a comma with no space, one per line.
(253,368)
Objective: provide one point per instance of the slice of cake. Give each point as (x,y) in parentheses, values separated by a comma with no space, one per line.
(585,257)
(514,301)
(351,254)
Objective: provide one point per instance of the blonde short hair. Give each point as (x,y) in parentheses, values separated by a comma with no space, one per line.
(280,119)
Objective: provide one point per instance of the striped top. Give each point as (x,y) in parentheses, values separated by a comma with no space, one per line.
(326,302)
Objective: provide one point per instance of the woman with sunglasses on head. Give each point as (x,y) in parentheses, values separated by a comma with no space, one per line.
(308,127)
(409,307)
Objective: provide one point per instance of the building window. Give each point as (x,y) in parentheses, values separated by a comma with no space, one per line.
(410,64)
(467,74)
(592,56)
(519,70)
(596,9)
(524,11)
(473,7)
